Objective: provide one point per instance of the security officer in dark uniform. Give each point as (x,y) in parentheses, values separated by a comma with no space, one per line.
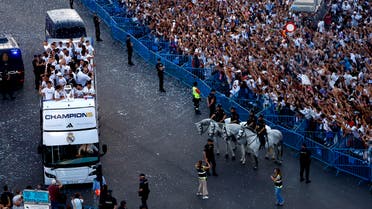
(6,82)
(305,160)
(160,69)
(97,21)
(209,156)
(144,190)
(211,102)
(219,116)
(234,116)
(109,202)
(252,121)
(129,50)
(39,67)
(261,131)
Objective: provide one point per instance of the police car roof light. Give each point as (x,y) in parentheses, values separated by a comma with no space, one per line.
(14,51)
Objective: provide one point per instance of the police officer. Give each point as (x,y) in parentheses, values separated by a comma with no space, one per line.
(209,156)
(196,97)
(39,68)
(109,201)
(252,121)
(143,190)
(261,131)
(219,116)
(305,160)
(211,102)
(160,69)
(6,82)
(97,21)
(234,116)
(129,50)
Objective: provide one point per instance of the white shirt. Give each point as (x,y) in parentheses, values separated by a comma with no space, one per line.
(82,78)
(78,93)
(61,81)
(48,93)
(90,50)
(90,91)
(77,203)
(59,94)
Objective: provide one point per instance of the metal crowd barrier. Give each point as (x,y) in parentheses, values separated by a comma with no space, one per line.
(352,165)
(288,125)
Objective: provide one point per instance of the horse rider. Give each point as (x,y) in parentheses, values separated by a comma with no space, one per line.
(219,116)
(261,131)
(252,121)
(234,116)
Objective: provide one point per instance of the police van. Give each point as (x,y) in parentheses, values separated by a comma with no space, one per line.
(63,24)
(11,62)
(70,140)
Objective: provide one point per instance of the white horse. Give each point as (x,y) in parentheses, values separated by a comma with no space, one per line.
(251,141)
(213,130)
(229,131)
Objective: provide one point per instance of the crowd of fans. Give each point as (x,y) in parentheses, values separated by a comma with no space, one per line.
(321,70)
(65,68)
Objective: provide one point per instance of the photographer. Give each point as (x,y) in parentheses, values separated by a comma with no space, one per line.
(202,175)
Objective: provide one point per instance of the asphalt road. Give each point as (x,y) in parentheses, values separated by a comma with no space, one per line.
(150,132)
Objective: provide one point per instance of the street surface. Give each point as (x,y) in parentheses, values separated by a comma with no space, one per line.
(149,132)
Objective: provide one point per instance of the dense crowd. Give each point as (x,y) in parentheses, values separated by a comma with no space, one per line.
(321,70)
(64,65)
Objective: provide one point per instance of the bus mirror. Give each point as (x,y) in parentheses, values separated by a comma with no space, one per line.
(104,148)
(39,149)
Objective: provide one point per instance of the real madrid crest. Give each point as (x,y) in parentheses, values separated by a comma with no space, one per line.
(70,138)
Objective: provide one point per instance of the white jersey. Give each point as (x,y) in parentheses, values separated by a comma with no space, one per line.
(48,93)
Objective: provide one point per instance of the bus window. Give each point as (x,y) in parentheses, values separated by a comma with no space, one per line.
(70,154)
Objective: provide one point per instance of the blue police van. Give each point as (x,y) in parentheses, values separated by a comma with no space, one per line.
(11,62)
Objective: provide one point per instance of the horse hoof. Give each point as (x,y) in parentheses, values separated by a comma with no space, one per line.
(266,158)
(226,156)
(233,158)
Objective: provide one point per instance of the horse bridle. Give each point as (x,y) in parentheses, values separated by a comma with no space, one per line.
(247,136)
(202,127)
(212,130)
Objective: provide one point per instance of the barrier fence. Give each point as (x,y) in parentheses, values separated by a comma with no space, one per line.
(178,66)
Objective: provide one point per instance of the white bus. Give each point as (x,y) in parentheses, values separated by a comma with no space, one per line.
(70,140)
(69,127)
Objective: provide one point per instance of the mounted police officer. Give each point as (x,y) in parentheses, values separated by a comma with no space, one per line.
(219,116)
(261,131)
(252,121)
(234,116)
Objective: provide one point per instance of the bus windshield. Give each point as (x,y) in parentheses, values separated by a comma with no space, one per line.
(71,155)
(72,32)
